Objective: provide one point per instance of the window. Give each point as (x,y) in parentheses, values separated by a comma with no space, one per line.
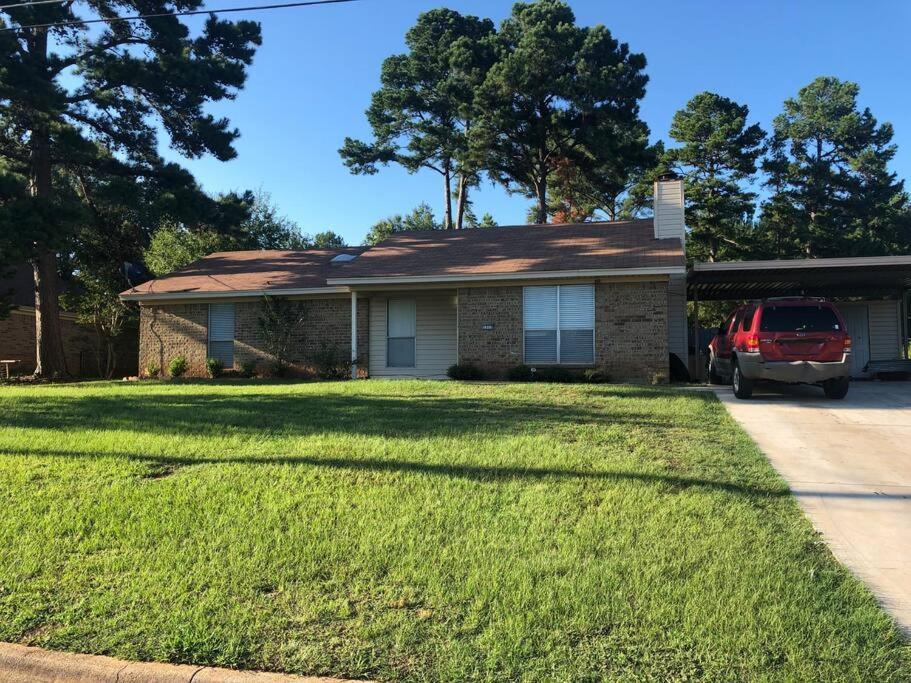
(221,333)
(560,324)
(400,328)
(748,319)
(799,319)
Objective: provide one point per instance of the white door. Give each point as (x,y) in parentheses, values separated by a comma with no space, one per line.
(859,331)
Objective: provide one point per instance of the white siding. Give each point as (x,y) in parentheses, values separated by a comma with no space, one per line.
(435,335)
(885,330)
(677,339)
(668,208)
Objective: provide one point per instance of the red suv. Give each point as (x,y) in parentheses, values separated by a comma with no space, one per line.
(793,340)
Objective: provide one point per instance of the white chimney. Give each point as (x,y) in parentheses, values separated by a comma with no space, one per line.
(669,218)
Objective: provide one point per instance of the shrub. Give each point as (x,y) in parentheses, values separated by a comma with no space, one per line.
(554,374)
(248,368)
(520,373)
(177,367)
(330,361)
(215,367)
(595,376)
(465,371)
(153,370)
(279,369)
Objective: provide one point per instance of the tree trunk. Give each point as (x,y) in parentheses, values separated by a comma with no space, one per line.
(541,191)
(447,202)
(49,358)
(461,202)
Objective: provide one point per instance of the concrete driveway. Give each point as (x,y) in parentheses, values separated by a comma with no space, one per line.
(849,465)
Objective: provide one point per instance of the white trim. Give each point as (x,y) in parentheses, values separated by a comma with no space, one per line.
(785,264)
(249,293)
(30,311)
(522,275)
(353,335)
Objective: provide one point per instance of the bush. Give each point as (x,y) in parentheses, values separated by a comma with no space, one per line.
(153,370)
(520,373)
(465,371)
(279,369)
(177,367)
(248,369)
(595,376)
(331,362)
(215,367)
(554,374)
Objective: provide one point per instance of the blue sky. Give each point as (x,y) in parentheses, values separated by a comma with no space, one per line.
(312,79)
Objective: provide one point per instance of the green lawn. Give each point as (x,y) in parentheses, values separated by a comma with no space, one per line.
(418,530)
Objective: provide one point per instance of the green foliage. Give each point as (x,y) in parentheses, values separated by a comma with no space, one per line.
(177,368)
(423,111)
(465,371)
(421,218)
(327,240)
(152,370)
(214,367)
(520,373)
(557,92)
(331,362)
(175,246)
(247,369)
(266,228)
(595,376)
(280,320)
(832,191)
(717,154)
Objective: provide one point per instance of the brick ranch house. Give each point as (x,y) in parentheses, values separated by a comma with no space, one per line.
(608,295)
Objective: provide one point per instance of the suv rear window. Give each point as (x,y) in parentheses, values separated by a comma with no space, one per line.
(799,319)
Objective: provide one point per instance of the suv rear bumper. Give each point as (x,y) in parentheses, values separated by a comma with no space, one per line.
(798,372)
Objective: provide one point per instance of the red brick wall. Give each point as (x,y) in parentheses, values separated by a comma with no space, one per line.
(630,329)
(167,331)
(17,342)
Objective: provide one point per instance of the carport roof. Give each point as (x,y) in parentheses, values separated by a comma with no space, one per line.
(829,277)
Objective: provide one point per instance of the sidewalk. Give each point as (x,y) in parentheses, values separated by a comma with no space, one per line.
(21,664)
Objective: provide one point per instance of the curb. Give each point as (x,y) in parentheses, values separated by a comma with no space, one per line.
(23,664)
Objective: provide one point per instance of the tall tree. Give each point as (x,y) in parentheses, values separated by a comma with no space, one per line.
(557,92)
(421,218)
(717,154)
(66,86)
(424,109)
(833,193)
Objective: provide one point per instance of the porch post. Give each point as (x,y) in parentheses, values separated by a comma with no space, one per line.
(353,334)
(697,347)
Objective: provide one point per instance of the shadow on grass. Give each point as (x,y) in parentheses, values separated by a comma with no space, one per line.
(479,473)
(302,414)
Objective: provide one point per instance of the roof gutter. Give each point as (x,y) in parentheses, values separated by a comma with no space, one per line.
(153,297)
(522,275)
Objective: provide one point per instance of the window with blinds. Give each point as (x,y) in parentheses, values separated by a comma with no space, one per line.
(221,333)
(559,324)
(400,332)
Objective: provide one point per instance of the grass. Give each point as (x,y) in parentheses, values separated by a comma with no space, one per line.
(418,530)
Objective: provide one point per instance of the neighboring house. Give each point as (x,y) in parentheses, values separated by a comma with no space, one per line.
(606,295)
(17,331)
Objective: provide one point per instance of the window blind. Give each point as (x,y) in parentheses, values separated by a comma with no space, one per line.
(559,324)
(221,333)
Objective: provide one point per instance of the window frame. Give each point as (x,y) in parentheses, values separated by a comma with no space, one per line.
(558,329)
(414,338)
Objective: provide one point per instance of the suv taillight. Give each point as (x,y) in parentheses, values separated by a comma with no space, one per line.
(752,343)
(847,344)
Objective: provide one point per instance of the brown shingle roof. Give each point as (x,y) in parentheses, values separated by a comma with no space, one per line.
(520,249)
(246,271)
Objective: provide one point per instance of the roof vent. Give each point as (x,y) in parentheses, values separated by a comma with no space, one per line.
(342,258)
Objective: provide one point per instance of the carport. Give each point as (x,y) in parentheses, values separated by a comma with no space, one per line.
(871,292)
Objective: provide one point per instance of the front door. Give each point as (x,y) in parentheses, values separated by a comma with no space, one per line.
(859,331)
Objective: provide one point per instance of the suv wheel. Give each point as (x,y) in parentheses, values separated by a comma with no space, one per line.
(836,388)
(714,376)
(743,387)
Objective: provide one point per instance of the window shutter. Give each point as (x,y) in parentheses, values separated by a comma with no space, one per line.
(577,324)
(221,333)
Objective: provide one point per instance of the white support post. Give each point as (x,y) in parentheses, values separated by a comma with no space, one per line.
(353,334)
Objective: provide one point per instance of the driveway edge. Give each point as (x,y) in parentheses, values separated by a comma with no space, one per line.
(25,664)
